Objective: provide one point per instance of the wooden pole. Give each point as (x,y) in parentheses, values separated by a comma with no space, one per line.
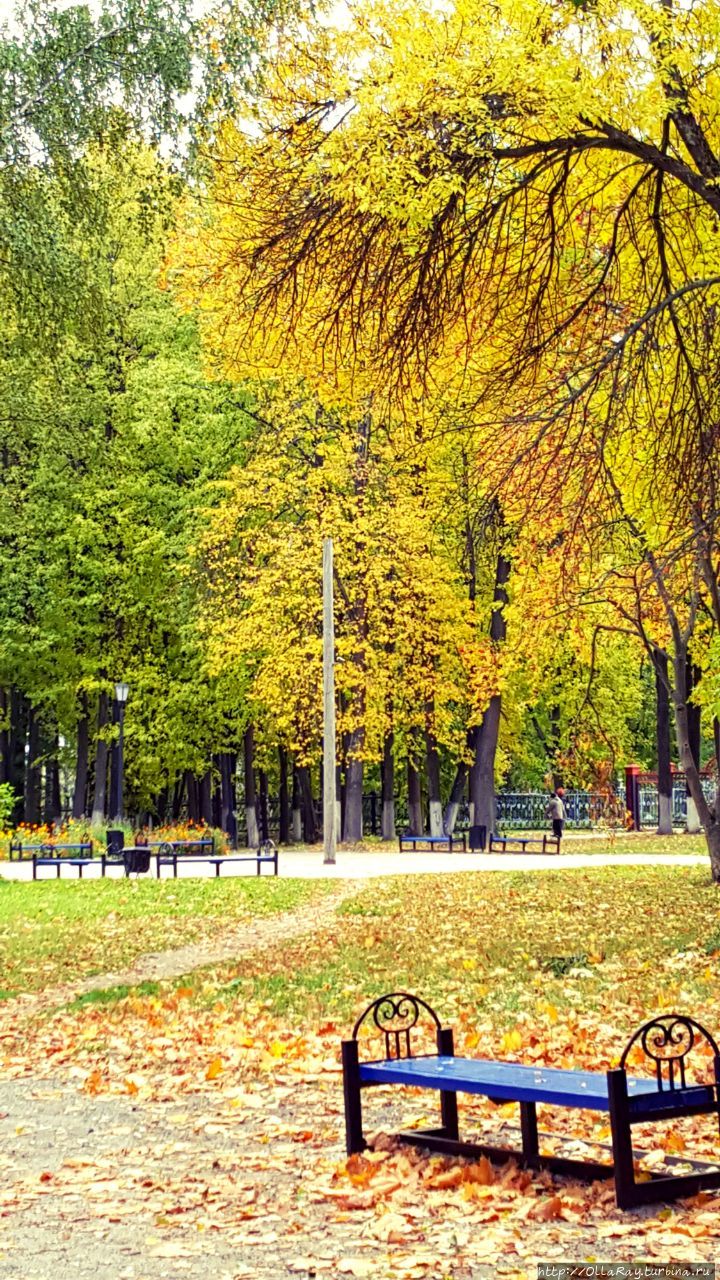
(329,834)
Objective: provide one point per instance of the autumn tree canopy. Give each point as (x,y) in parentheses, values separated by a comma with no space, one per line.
(502,221)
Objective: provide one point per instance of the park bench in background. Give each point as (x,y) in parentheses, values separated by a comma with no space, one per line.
(58,855)
(184,847)
(408,841)
(168,855)
(81,849)
(666,1041)
(536,844)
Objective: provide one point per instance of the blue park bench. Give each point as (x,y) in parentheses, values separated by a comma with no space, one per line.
(79,855)
(536,844)
(409,841)
(628,1100)
(184,847)
(170,855)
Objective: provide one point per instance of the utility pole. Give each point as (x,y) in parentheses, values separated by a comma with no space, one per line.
(329,820)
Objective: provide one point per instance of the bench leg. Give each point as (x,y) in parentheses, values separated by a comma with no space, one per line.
(354,1138)
(57,868)
(217,870)
(621,1139)
(448,1098)
(529,1131)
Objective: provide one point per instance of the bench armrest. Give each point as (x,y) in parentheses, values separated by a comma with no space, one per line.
(395,1017)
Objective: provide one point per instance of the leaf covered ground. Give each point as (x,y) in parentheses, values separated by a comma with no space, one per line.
(203,1121)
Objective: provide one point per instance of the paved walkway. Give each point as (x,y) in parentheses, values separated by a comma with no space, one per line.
(365,864)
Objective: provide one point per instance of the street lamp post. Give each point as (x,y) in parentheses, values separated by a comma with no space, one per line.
(118,761)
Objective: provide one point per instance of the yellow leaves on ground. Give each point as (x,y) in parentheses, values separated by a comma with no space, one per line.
(511,1041)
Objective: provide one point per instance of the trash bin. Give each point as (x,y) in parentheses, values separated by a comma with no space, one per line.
(478,839)
(115,842)
(137,861)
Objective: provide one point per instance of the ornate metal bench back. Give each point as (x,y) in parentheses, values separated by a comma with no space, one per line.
(667,1040)
(396,1015)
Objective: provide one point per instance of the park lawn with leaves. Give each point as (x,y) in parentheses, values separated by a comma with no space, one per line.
(633,842)
(68,930)
(241,1066)
(504,947)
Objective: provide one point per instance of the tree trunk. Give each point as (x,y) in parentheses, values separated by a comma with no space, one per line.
(712,835)
(433,777)
(308,807)
(485,736)
(387,827)
(706,815)
(216,792)
(263,813)
(296,807)
(53,799)
(5,769)
(79,805)
(193,796)
(692,678)
(101,764)
(52,806)
(177,798)
(415,813)
(16,749)
(357,620)
(354,771)
(284,835)
(253,833)
(662,728)
(228,799)
(162,805)
(456,794)
(32,772)
(205,797)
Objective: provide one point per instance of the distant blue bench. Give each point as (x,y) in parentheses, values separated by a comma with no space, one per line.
(168,856)
(57,855)
(82,848)
(408,841)
(202,842)
(544,844)
(628,1100)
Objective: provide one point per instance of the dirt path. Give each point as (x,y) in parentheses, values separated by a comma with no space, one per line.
(230,944)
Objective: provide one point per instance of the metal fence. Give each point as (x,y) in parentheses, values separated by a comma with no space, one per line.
(525,810)
(519,810)
(648,801)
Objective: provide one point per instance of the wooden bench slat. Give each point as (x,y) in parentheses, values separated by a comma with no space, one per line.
(512,1082)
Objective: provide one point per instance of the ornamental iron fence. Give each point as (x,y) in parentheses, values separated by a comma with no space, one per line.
(516,811)
(648,804)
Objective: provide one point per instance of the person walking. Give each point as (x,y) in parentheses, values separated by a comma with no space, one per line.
(557,812)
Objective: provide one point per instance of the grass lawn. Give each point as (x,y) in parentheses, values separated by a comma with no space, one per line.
(507,947)
(631,842)
(52,933)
